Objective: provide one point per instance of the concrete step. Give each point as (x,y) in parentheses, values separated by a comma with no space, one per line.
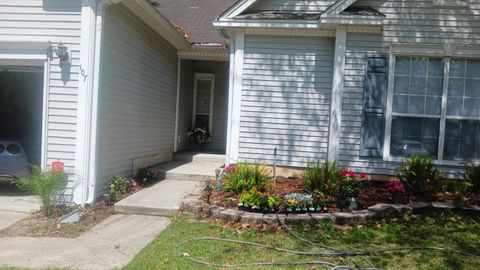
(188,171)
(162,199)
(199,157)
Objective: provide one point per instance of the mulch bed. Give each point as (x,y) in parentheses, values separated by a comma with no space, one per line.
(37,225)
(372,193)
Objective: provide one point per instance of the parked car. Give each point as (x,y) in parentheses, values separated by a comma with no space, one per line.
(13,161)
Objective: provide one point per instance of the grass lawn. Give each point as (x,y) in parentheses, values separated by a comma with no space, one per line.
(450,231)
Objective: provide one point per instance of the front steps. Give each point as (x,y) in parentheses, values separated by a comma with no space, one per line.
(182,177)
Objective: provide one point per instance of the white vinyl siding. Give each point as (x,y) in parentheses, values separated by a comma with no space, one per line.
(413,22)
(137,95)
(317,6)
(286,98)
(51,21)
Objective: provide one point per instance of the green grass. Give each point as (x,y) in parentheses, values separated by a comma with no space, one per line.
(453,232)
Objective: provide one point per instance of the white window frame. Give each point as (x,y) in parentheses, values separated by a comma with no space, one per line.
(447,57)
(204,77)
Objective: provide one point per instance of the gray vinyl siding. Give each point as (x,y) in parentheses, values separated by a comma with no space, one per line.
(220,95)
(54,21)
(286,97)
(185,105)
(415,22)
(292,5)
(137,95)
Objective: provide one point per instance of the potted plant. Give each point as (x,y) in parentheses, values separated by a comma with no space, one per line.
(292,202)
(319,202)
(350,190)
(398,192)
(199,136)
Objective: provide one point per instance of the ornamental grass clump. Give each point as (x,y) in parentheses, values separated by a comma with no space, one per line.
(472,176)
(422,176)
(244,177)
(322,177)
(47,185)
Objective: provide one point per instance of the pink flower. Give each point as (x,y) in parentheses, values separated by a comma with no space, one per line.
(226,168)
(134,184)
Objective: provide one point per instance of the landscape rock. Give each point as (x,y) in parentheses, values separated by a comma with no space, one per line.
(72,217)
(322,217)
(345,218)
(298,219)
(251,218)
(382,210)
(418,207)
(231,214)
(442,206)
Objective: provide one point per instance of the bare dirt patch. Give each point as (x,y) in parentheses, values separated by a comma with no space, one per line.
(37,225)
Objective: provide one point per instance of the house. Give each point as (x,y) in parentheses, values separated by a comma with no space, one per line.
(112,85)
(366,82)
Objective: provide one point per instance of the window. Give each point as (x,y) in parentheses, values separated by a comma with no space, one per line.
(433,119)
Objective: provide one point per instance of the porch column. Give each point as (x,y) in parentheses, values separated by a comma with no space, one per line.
(337,93)
(235,94)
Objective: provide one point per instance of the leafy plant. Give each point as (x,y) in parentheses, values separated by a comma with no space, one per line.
(472,176)
(319,200)
(145,175)
(47,185)
(245,177)
(322,177)
(422,175)
(395,186)
(297,200)
(257,199)
(120,186)
(350,184)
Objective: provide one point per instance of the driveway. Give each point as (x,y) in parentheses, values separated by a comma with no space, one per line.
(15,205)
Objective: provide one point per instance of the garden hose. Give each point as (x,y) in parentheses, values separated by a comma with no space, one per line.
(330,253)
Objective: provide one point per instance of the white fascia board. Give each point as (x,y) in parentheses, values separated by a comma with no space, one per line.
(352,20)
(158,23)
(236,9)
(339,6)
(268,24)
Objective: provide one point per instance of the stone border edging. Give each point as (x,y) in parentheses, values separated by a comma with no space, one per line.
(193,204)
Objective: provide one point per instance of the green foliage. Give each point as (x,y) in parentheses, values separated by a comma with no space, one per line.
(254,198)
(145,175)
(244,176)
(47,185)
(120,186)
(472,176)
(322,177)
(422,175)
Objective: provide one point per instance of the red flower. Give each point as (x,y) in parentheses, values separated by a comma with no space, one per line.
(345,172)
(352,174)
(363,176)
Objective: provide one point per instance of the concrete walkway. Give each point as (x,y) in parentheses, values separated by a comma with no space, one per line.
(162,199)
(111,244)
(15,205)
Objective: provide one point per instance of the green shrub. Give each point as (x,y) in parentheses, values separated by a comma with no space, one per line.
(145,175)
(322,177)
(244,176)
(120,186)
(421,175)
(472,176)
(47,185)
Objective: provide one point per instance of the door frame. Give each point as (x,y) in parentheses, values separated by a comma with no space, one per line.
(203,76)
(37,55)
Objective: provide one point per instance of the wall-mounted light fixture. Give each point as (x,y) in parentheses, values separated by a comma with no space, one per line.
(63,54)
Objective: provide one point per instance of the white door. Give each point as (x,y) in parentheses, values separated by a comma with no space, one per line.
(203,101)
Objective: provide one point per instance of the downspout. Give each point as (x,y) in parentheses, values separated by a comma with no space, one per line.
(97,60)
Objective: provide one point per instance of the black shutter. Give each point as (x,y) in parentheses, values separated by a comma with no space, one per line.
(374,100)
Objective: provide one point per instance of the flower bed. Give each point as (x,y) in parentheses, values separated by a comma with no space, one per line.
(326,188)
